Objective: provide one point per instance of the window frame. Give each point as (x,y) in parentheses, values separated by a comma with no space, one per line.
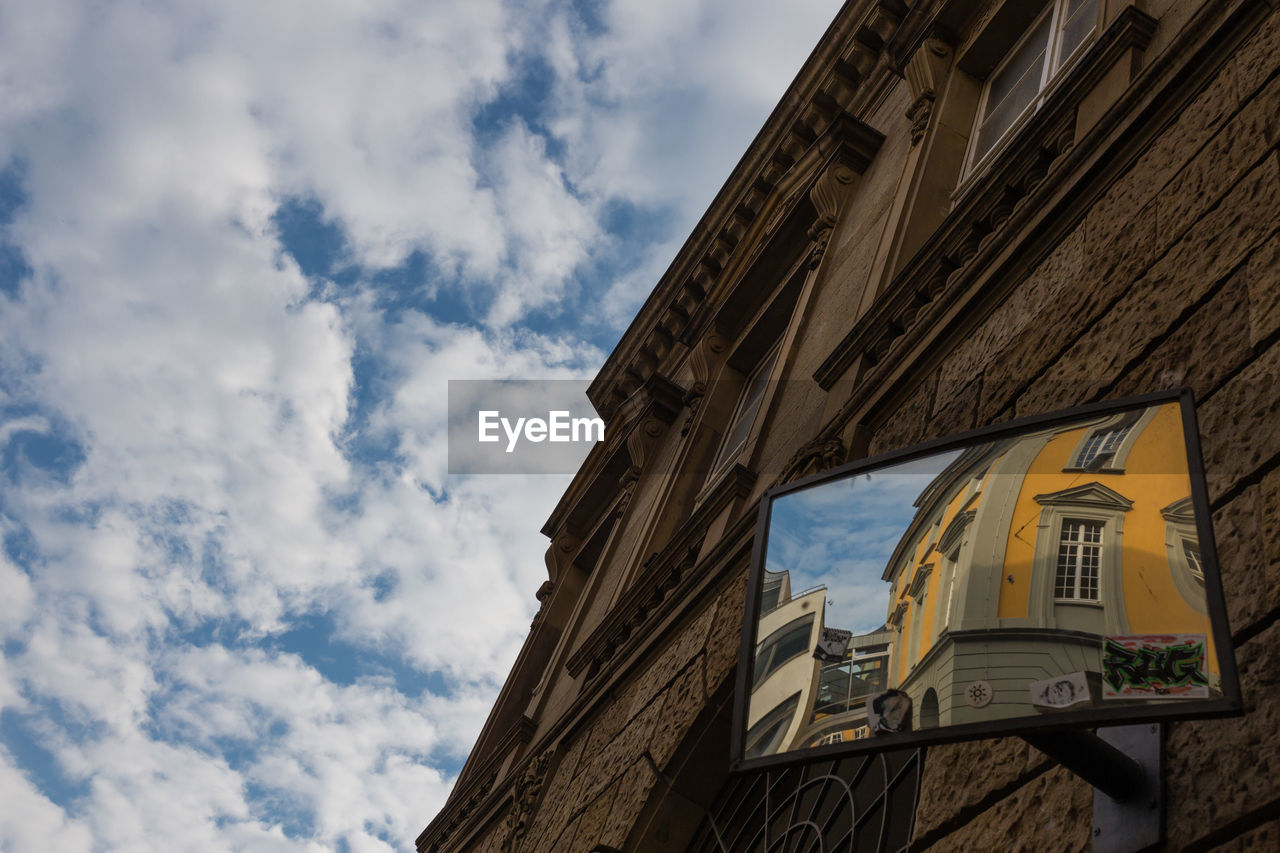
(764,668)
(763,372)
(1133,422)
(1076,568)
(1053,69)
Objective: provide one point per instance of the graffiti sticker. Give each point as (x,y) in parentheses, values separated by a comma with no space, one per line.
(1154,666)
(1061,691)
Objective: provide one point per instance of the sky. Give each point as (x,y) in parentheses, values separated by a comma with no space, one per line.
(841,533)
(243,246)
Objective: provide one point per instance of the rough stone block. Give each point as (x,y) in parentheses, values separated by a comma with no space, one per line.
(1226,235)
(1052,812)
(1246,580)
(1240,424)
(721,659)
(688,643)
(1258,57)
(906,426)
(565,839)
(1244,753)
(682,702)
(1059,272)
(555,805)
(604,760)
(959,413)
(1231,152)
(1109,263)
(1262,276)
(1194,126)
(1265,837)
(591,824)
(634,788)
(1214,246)
(1183,359)
(958,776)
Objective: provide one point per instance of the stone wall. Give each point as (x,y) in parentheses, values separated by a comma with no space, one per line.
(600,777)
(1172,279)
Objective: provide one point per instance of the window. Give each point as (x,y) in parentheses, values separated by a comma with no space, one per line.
(1079,558)
(744,416)
(1191,550)
(1017,85)
(775,591)
(1182,544)
(1106,446)
(765,737)
(834,737)
(1077,575)
(781,646)
(1101,447)
(845,686)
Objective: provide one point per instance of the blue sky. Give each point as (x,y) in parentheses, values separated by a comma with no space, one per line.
(841,534)
(242,248)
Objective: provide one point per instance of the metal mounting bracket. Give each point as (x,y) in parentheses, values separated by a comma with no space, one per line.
(1123,765)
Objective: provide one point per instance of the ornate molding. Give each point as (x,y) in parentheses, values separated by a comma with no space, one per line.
(664,575)
(925,72)
(828,195)
(1093,495)
(818,455)
(544,596)
(435,837)
(525,794)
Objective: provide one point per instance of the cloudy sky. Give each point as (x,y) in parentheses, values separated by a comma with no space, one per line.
(243,245)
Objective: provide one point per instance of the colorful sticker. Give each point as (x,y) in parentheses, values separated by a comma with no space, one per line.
(1154,666)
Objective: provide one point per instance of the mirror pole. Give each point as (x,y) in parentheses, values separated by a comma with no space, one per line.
(1122,763)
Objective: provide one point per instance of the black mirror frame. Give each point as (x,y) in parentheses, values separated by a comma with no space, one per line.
(1229,704)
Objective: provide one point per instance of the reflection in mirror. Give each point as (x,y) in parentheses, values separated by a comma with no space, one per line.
(1051,571)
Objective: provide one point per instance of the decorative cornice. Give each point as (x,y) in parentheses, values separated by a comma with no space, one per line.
(664,574)
(827,87)
(461,805)
(652,406)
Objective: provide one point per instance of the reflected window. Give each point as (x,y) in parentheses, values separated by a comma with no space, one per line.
(1191,550)
(1017,85)
(782,645)
(845,686)
(834,737)
(1079,560)
(765,737)
(1101,447)
(775,590)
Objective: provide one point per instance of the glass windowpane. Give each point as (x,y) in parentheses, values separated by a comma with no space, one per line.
(1076,29)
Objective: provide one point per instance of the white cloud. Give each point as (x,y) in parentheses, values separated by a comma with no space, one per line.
(219,496)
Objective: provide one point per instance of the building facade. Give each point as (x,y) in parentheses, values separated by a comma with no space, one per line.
(958,214)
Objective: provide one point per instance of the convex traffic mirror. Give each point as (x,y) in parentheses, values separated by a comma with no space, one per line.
(1053,572)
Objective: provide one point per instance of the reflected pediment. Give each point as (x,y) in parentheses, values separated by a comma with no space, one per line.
(1089,495)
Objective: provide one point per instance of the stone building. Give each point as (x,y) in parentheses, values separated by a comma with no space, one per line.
(959,213)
